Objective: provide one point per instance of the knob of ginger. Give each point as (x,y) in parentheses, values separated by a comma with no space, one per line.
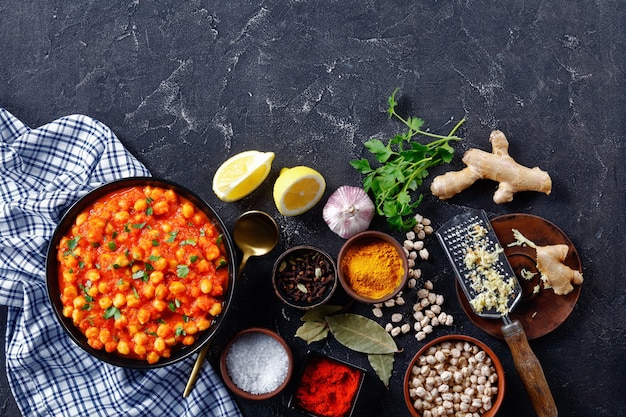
(497,166)
(554,273)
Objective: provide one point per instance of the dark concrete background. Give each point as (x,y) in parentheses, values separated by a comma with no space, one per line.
(186,85)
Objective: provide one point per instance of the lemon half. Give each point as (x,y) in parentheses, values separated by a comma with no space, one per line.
(297,190)
(241,174)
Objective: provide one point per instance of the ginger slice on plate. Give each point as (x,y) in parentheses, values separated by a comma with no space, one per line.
(554,273)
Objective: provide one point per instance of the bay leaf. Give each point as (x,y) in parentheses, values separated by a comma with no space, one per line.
(320,313)
(312,331)
(361,334)
(382,365)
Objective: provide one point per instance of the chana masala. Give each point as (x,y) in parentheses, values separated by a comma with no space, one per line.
(142,271)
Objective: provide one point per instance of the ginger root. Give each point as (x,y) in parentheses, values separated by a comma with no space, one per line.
(497,166)
(554,273)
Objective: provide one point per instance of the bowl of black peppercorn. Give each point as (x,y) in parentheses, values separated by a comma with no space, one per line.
(304,277)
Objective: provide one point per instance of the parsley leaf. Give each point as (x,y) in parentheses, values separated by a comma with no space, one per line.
(141,274)
(403,164)
(113,312)
(171,237)
(182,271)
(73,243)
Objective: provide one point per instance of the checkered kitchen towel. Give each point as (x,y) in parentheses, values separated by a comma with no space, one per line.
(42,172)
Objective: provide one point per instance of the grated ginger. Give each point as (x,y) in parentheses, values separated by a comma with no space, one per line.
(492,288)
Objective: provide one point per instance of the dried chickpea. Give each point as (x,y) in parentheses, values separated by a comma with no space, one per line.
(439,388)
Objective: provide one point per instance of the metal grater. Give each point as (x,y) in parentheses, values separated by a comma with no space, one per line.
(455,238)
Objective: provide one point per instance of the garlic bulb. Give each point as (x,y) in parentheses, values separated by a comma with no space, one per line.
(349,210)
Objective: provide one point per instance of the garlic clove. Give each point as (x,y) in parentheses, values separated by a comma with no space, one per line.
(348,211)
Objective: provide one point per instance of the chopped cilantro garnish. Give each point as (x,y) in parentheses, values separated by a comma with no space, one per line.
(113,312)
(72,243)
(182,271)
(173,305)
(180,331)
(139,274)
(171,237)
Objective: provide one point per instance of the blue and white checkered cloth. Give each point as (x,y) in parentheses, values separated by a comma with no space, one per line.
(42,172)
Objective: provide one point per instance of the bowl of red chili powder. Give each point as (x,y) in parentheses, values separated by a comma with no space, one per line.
(327,387)
(140,272)
(372,267)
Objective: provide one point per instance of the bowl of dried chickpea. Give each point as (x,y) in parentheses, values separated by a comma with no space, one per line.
(454,375)
(140,272)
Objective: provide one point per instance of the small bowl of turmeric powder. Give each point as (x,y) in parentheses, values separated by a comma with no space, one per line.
(372,267)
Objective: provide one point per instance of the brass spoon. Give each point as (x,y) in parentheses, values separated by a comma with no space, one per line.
(255,234)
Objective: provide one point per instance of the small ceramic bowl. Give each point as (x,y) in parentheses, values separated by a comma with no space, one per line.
(368,238)
(256,364)
(444,345)
(325,380)
(304,277)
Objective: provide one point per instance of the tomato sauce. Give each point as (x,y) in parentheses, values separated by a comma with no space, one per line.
(141,272)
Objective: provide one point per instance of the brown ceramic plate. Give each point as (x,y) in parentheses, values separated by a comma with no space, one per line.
(544,311)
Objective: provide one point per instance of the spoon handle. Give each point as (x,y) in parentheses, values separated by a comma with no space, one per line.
(242,265)
(196,369)
(200,359)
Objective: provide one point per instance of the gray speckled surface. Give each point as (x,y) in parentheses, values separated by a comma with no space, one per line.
(185,85)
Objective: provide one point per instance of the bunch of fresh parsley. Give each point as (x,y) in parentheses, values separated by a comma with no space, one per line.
(404,164)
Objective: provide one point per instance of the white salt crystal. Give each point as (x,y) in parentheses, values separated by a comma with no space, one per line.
(257,363)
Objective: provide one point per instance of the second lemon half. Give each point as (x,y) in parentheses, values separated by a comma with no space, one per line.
(241,174)
(297,190)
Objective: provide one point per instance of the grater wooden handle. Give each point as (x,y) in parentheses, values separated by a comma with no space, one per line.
(529,369)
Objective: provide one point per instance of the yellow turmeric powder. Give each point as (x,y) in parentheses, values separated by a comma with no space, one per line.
(372,268)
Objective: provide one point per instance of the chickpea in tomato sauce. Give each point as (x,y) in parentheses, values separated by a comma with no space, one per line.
(142,271)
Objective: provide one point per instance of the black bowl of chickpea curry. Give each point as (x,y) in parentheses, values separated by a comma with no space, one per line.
(140,272)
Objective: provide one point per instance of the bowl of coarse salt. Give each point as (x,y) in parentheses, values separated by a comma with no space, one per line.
(256,364)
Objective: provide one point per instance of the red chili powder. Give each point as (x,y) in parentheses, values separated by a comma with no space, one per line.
(327,388)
